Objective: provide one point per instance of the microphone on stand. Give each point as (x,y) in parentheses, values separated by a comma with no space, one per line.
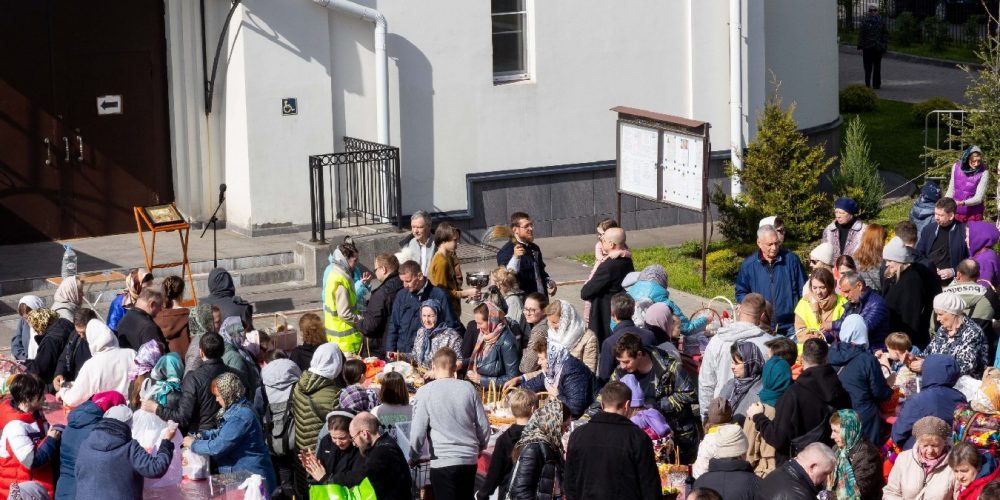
(222,193)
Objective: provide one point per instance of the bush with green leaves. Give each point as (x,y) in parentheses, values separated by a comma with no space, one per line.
(906,30)
(936,32)
(971,30)
(921,109)
(723,264)
(857,175)
(857,99)
(780,176)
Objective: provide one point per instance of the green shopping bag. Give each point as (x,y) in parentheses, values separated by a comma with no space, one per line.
(363,491)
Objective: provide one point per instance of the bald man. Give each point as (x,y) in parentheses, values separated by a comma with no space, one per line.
(384,464)
(606,282)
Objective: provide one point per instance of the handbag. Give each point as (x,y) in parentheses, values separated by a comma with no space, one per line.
(363,491)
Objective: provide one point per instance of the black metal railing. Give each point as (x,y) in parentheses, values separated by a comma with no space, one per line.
(957,21)
(364,187)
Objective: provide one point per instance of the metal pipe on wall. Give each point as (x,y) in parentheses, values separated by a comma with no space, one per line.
(736,90)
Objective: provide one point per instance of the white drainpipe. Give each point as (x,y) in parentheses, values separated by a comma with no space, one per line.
(381,59)
(736,89)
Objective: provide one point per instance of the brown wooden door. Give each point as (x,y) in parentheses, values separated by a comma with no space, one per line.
(75,53)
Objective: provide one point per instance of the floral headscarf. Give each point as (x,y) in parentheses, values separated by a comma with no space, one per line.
(545,426)
(133,285)
(777,376)
(145,359)
(555,356)
(230,388)
(40,319)
(571,327)
(654,273)
(496,324)
(200,320)
(425,353)
(167,373)
(850,432)
(234,334)
(753,364)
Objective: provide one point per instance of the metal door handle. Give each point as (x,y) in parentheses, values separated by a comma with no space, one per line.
(48,151)
(66,143)
(79,142)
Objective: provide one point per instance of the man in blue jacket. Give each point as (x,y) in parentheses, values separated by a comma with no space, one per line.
(776,274)
(405,319)
(864,301)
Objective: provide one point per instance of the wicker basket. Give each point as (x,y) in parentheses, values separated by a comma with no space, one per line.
(493,397)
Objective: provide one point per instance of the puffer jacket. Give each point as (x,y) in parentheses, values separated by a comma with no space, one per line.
(866,462)
(788,482)
(20,460)
(111,464)
(501,363)
(312,398)
(197,409)
(937,397)
(907,480)
(80,422)
(222,293)
(536,472)
(733,478)
(116,311)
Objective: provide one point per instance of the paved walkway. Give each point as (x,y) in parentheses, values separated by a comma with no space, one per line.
(906,81)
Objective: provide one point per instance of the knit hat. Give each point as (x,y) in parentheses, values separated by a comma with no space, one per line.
(933,426)
(719,411)
(950,303)
(730,441)
(120,413)
(896,251)
(931,192)
(846,204)
(638,399)
(823,253)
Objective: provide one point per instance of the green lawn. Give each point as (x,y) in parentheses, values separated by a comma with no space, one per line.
(896,142)
(951,52)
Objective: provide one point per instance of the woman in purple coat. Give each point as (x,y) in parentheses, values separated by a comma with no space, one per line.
(981,236)
(969,180)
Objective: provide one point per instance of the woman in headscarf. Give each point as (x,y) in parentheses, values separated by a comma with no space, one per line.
(316,394)
(538,456)
(495,358)
(238,444)
(68,297)
(652,284)
(980,237)
(433,335)
(145,359)
(659,319)
(969,180)
(922,472)
(166,376)
(135,281)
(742,390)
(860,374)
(340,298)
(858,475)
(200,322)
(53,334)
(238,358)
(279,377)
(106,370)
(566,328)
(775,379)
(23,345)
(80,421)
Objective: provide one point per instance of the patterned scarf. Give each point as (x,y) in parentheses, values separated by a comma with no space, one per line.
(41,319)
(753,365)
(200,320)
(556,356)
(496,324)
(654,273)
(230,388)
(571,327)
(846,487)
(777,376)
(133,285)
(145,359)
(545,426)
(424,334)
(167,373)
(232,333)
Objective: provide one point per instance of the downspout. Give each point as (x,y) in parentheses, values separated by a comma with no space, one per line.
(736,90)
(381,59)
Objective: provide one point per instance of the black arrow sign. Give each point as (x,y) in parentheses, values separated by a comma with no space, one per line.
(109,104)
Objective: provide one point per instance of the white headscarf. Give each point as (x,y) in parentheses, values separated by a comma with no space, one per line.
(327,361)
(571,328)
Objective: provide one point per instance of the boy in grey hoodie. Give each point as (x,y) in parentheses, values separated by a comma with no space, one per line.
(457,428)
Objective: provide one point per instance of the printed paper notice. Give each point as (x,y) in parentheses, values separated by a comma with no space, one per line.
(683,170)
(637,160)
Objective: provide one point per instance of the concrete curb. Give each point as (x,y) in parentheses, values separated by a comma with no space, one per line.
(929,61)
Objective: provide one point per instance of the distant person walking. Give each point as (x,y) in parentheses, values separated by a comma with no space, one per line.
(872,41)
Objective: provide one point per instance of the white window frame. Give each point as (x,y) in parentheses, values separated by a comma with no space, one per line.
(527,43)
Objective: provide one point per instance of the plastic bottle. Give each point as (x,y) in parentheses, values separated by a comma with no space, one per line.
(68,262)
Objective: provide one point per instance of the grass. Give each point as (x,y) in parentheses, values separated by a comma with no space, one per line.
(896,142)
(951,52)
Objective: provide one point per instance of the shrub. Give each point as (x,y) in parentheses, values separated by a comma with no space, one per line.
(970,30)
(920,109)
(857,176)
(723,264)
(857,99)
(737,221)
(936,32)
(907,30)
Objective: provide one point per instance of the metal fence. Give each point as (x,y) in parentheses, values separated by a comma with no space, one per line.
(364,187)
(962,21)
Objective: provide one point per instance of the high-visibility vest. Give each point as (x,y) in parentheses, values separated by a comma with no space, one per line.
(338,330)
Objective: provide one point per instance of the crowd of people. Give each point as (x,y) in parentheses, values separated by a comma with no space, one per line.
(872,376)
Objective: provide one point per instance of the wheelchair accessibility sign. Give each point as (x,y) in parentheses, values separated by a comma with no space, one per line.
(289,106)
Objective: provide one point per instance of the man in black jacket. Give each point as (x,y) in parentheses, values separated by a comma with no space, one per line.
(610,457)
(803,411)
(941,245)
(384,464)
(802,478)
(137,326)
(605,283)
(622,309)
(524,257)
(873,39)
(372,326)
(222,294)
(197,408)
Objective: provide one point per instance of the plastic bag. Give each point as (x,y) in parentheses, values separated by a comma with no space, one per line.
(968,386)
(174,472)
(147,429)
(363,491)
(195,465)
(254,486)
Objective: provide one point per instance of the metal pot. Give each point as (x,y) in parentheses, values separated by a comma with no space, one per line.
(477,279)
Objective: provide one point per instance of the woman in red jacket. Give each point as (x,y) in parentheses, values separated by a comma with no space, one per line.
(27,445)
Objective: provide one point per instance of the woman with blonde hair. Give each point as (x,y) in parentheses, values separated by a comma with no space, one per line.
(509,292)
(868,256)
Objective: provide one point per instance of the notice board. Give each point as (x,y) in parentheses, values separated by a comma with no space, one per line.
(683,170)
(638,160)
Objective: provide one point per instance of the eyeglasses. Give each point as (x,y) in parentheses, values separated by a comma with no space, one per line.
(355,436)
(530,310)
